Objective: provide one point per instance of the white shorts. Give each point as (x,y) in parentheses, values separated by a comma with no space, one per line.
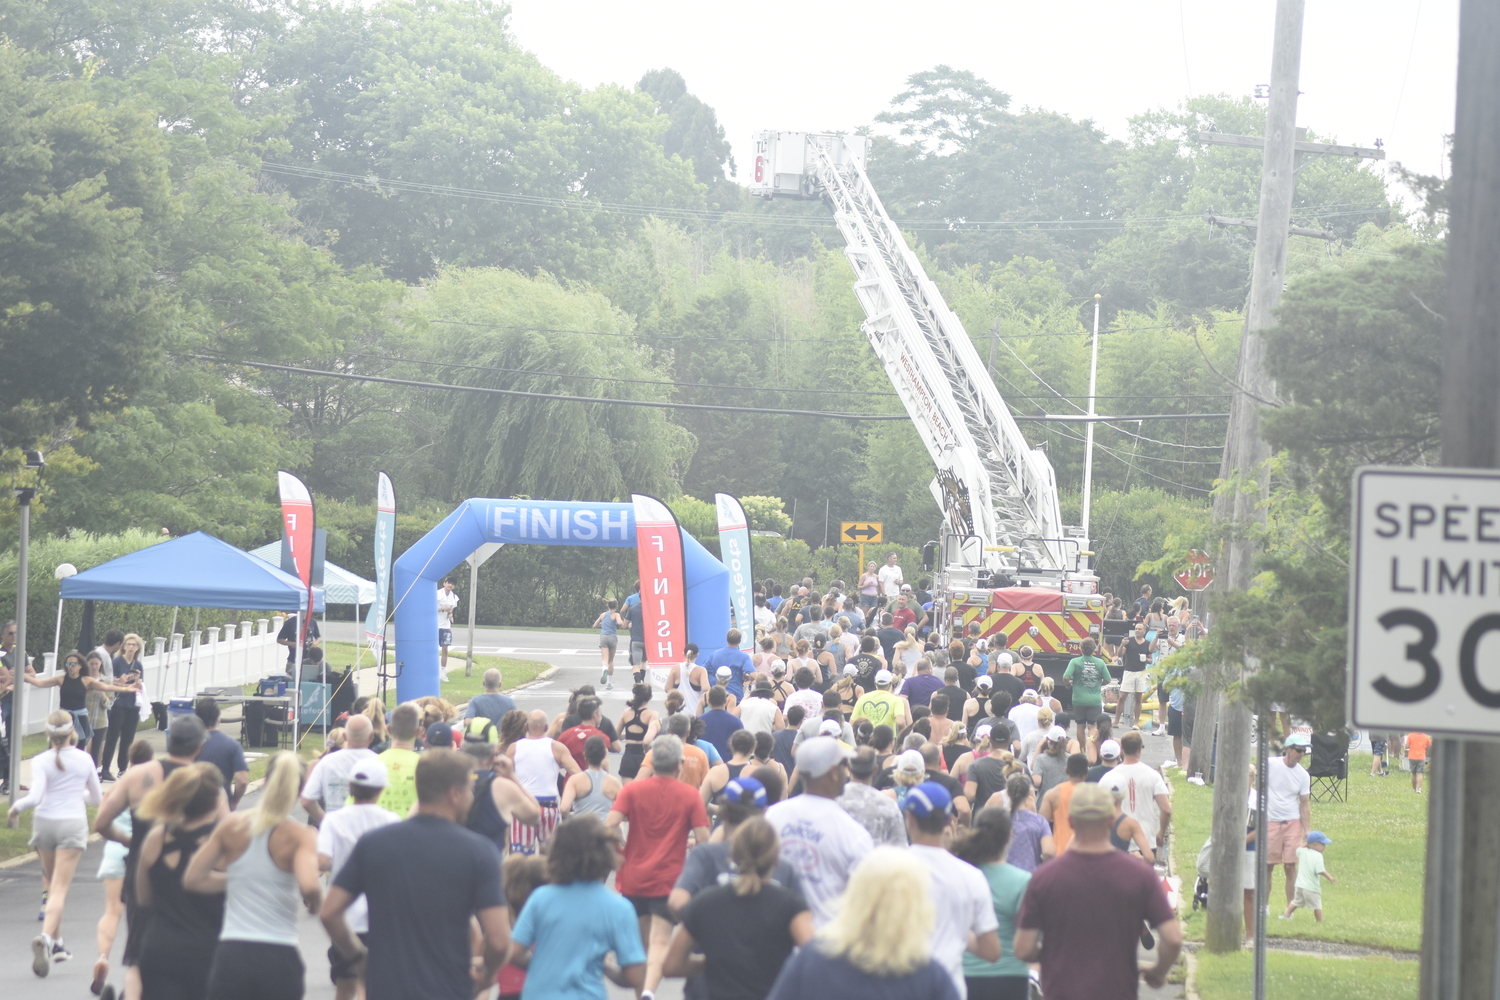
(59,834)
(1135,682)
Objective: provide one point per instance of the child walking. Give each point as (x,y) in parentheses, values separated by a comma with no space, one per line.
(1416,758)
(1309,891)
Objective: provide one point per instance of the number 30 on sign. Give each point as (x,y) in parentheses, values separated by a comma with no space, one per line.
(1424,608)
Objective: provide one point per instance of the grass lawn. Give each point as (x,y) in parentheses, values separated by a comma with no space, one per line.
(1307,977)
(1379,844)
(458,688)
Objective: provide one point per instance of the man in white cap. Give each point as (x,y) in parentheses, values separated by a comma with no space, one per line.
(822,841)
(1109,759)
(339,832)
(1007,676)
(960,893)
(880,706)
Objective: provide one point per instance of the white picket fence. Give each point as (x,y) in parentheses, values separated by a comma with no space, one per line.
(185,664)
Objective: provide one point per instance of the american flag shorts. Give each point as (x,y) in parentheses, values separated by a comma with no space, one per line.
(525,838)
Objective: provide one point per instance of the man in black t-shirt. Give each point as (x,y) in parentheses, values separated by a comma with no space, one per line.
(888,635)
(423,879)
(933,755)
(288,637)
(1135,657)
(867,663)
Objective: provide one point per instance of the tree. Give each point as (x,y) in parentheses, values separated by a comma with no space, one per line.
(694,133)
(82,183)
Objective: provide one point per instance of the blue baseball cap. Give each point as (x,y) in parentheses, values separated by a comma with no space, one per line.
(1318,837)
(747,791)
(928,798)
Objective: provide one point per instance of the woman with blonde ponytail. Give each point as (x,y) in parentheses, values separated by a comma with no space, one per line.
(263,862)
(179,943)
(63,784)
(745,930)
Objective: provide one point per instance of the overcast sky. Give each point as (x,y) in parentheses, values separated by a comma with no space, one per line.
(1370,68)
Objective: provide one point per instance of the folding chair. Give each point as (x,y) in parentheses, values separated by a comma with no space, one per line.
(1328,770)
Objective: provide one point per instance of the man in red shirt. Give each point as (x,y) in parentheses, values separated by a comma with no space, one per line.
(661,811)
(575,737)
(1091,951)
(903,615)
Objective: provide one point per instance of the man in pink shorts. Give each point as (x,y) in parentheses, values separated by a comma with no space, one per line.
(1288,816)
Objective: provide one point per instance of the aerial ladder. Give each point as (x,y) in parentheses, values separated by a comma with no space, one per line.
(1002,524)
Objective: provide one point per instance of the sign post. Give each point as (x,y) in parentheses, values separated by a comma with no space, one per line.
(475,560)
(861,532)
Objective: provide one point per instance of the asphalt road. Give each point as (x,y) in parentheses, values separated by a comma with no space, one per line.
(576,654)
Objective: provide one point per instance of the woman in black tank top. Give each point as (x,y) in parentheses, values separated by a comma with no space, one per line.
(75,683)
(638,727)
(177,951)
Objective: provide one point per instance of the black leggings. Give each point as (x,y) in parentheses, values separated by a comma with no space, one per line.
(122,722)
(251,970)
(998,987)
(176,973)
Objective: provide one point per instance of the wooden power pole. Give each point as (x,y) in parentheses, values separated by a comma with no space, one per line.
(1459,932)
(1246,457)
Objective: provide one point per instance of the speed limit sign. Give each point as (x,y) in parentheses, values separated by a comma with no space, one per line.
(1424,608)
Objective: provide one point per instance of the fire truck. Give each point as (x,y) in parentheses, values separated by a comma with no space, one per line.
(1005,558)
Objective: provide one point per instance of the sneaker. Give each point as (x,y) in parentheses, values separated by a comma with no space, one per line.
(1160,731)
(104,775)
(41,955)
(1196,779)
(60,952)
(604,677)
(101,973)
(609,685)
(1169,762)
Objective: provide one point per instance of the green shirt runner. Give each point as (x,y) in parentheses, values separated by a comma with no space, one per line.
(1089,674)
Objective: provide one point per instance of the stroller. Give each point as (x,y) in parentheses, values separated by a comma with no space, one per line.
(1200,887)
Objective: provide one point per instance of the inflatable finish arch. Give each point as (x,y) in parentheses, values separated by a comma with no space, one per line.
(530,522)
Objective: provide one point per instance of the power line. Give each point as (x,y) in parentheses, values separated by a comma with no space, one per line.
(651,403)
(647,336)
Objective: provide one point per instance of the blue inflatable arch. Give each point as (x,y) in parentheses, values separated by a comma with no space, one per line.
(530,522)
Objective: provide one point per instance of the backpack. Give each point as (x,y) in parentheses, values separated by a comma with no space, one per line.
(484,819)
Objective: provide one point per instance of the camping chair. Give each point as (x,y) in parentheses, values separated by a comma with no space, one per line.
(1329,768)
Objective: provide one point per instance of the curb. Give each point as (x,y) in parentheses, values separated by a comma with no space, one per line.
(1190,985)
(545,675)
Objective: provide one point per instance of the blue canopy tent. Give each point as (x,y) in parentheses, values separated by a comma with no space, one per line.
(194,571)
(340,585)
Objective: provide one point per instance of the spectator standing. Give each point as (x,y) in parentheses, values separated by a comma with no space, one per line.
(876,812)
(984,847)
(1417,745)
(337,835)
(1090,950)
(447,601)
(662,811)
(1288,812)
(424,879)
(823,842)
(890,577)
(7,697)
(1134,683)
(124,712)
(227,754)
(869,585)
(327,787)
(878,945)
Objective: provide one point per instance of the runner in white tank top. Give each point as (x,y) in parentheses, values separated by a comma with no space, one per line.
(539,760)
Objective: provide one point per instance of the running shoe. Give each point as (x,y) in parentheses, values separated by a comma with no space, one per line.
(41,955)
(604,677)
(101,973)
(1160,731)
(60,952)
(609,685)
(104,775)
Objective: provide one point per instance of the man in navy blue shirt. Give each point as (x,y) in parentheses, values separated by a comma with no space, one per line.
(718,724)
(736,659)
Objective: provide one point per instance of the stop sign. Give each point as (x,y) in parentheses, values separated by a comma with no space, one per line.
(1198,573)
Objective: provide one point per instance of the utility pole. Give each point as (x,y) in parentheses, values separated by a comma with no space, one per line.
(1246,457)
(1088,446)
(1459,933)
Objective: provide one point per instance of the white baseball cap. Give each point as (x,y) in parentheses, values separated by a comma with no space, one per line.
(821,754)
(724,672)
(1004,659)
(371,773)
(911,762)
(1110,749)
(984,681)
(983,733)
(850,670)
(778,666)
(830,728)
(883,677)
(1057,733)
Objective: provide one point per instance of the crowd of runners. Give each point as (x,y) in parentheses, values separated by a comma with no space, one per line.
(851,811)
